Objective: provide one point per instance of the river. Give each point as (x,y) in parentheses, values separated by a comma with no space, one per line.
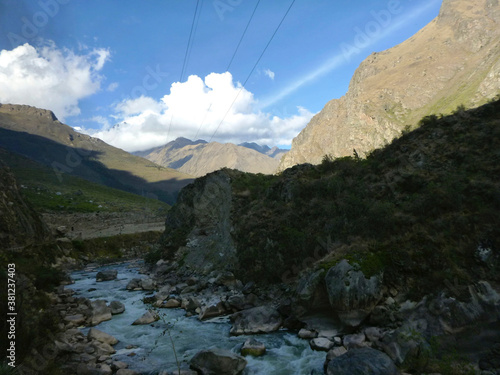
(286,353)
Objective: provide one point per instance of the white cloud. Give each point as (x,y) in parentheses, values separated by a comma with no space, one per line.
(195,109)
(49,77)
(269,73)
(112,86)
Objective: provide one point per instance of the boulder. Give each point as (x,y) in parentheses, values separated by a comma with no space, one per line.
(148,318)
(253,347)
(310,290)
(218,362)
(101,336)
(321,344)
(106,275)
(335,352)
(355,341)
(116,307)
(171,304)
(190,304)
(364,361)
(148,284)
(124,371)
(76,319)
(352,295)
(100,312)
(212,311)
(134,284)
(101,348)
(262,319)
(307,334)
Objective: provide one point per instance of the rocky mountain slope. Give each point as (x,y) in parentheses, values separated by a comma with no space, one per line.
(197,158)
(37,134)
(455,60)
(401,247)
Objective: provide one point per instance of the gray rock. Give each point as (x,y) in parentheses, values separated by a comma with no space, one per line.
(212,311)
(351,295)
(321,344)
(171,304)
(126,372)
(148,284)
(118,365)
(190,304)
(101,336)
(148,318)
(253,347)
(106,275)
(218,362)
(116,307)
(335,352)
(134,284)
(75,319)
(404,345)
(354,341)
(364,361)
(309,288)
(262,319)
(307,334)
(100,312)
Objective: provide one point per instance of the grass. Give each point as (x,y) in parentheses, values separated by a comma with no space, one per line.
(45,192)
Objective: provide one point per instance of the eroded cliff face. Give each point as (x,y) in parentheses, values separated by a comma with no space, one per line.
(453,61)
(20,225)
(201,223)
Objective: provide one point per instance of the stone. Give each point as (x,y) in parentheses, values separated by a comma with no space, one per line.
(101,336)
(101,348)
(253,347)
(116,307)
(148,318)
(100,312)
(218,362)
(307,334)
(364,361)
(190,304)
(212,311)
(171,303)
(126,372)
(118,365)
(335,352)
(308,288)
(134,284)
(321,344)
(404,345)
(148,284)
(352,296)
(75,319)
(262,319)
(106,275)
(354,341)
(373,334)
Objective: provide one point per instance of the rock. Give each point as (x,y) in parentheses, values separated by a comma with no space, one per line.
(335,352)
(148,284)
(134,284)
(404,345)
(171,303)
(126,372)
(373,334)
(253,347)
(75,319)
(309,288)
(321,344)
(101,336)
(177,372)
(262,319)
(100,312)
(351,295)
(89,369)
(218,362)
(212,311)
(147,318)
(116,307)
(354,341)
(106,275)
(328,333)
(118,365)
(190,304)
(364,361)
(101,348)
(307,335)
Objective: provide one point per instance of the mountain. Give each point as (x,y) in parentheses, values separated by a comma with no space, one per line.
(38,135)
(197,158)
(274,152)
(452,61)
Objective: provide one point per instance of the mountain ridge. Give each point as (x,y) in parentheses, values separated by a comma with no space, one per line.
(452,61)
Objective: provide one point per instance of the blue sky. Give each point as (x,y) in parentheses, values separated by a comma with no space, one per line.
(101,63)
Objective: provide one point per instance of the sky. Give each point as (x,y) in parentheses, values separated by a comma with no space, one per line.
(138,74)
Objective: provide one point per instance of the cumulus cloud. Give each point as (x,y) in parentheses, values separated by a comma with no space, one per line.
(214,109)
(269,73)
(112,86)
(49,77)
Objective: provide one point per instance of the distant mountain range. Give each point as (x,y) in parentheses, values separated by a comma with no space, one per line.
(453,61)
(197,158)
(38,135)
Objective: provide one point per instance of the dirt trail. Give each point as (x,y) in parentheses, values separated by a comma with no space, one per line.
(103,224)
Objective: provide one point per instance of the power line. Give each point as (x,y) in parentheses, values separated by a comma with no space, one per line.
(251,72)
(230,62)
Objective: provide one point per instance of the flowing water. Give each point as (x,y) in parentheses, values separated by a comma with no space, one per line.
(286,353)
